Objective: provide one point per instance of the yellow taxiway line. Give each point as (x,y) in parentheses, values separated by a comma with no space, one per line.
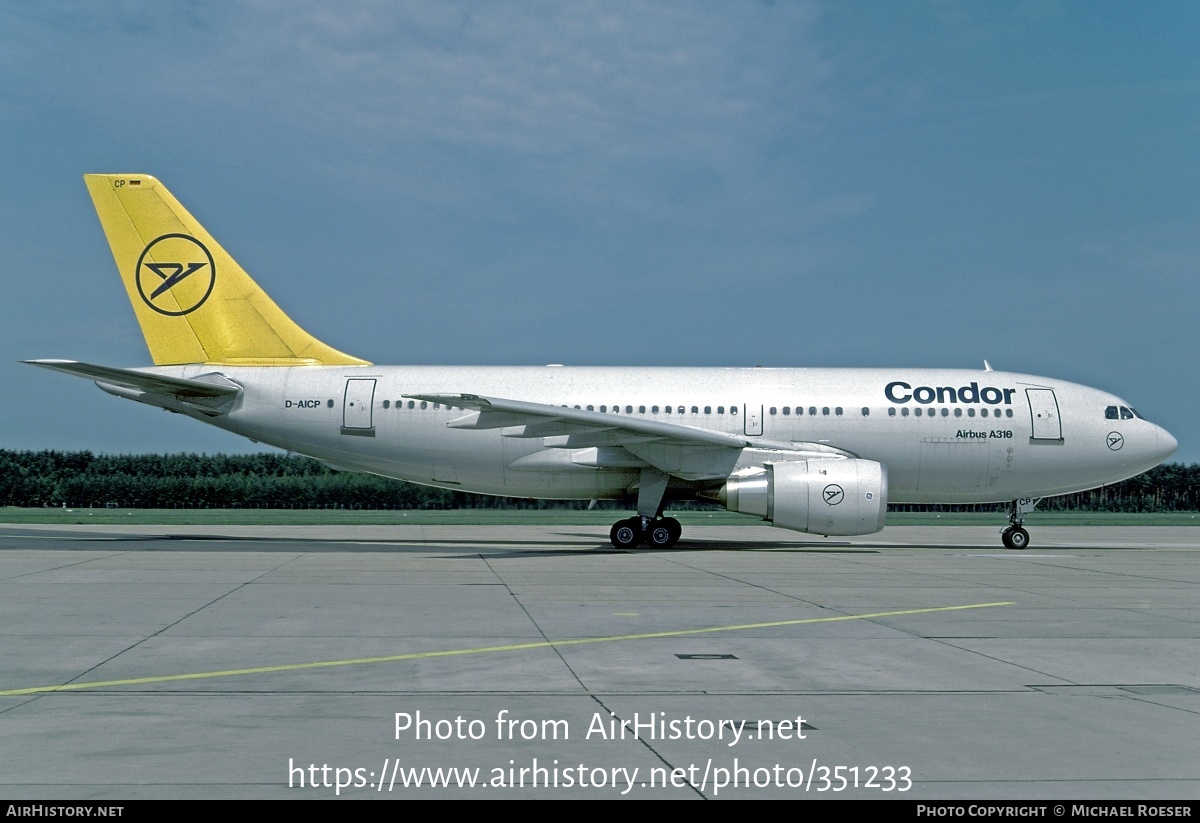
(513,647)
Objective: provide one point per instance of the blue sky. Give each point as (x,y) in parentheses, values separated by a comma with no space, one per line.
(807,184)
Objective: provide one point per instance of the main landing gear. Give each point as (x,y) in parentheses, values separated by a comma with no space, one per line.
(1015,537)
(649,527)
(655,532)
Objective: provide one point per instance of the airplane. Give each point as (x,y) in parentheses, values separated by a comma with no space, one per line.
(819,451)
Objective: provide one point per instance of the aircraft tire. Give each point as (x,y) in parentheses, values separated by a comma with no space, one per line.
(626,534)
(1015,538)
(675,527)
(661,535)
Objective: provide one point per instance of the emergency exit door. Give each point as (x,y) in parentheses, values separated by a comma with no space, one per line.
(753,418)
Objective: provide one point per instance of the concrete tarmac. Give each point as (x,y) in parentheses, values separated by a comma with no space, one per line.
(747,662)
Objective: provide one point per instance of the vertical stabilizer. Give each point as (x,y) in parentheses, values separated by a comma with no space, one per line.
(195,304)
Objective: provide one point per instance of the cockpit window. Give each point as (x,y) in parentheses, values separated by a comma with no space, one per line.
(1121,413)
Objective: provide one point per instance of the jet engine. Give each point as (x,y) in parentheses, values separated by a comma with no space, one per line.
(836,496)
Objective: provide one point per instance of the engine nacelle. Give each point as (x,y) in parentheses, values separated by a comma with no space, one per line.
(836,496)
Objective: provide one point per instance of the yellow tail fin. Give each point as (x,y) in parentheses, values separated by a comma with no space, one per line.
(194,302)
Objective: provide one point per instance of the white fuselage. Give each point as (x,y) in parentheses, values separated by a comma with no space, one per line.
(952,436)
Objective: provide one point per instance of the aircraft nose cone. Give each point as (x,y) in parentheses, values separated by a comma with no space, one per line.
(1166,444)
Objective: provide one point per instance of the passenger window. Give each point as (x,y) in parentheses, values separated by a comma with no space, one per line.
(733,409)
(720,409)
(904,412)
(945,412)
(958,412)
(641,409)
(983,413)
(708,409)
(424,404)
(1008,412)
(970,412)
(386,403)
(838,411)
(772,412)
(603,409)
(891,411)
(695,409)
(681,409)
(812,410)
(825,411)
(787,410)
(654,409)
(866,411)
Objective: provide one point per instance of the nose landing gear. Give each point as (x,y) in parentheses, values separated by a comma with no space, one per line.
(1015,537)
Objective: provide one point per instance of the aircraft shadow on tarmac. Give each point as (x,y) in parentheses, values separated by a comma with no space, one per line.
(584,543)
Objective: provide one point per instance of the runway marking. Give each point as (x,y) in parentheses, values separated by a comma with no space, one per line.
(540,644)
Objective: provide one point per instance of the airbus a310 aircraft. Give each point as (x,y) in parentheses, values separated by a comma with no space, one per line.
(814,450)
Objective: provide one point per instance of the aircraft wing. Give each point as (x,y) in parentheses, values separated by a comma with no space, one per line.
(689,452)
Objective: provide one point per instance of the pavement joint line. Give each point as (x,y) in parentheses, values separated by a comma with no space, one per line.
(540,644)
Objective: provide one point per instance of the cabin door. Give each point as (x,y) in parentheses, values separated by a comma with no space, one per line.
(357,407)
(1043,410)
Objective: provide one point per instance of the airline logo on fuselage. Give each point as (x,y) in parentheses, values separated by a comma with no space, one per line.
(175,274)
(900,392)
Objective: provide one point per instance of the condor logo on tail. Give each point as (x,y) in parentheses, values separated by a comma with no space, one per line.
(175,274)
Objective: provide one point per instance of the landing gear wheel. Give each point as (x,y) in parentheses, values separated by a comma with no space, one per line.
(675,527)
(1015,538)
(663,533)
(626,534)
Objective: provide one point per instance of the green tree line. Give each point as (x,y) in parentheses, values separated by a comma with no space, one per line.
(286,481)
(219,481)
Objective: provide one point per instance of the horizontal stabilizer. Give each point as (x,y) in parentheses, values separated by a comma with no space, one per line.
(143,381)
